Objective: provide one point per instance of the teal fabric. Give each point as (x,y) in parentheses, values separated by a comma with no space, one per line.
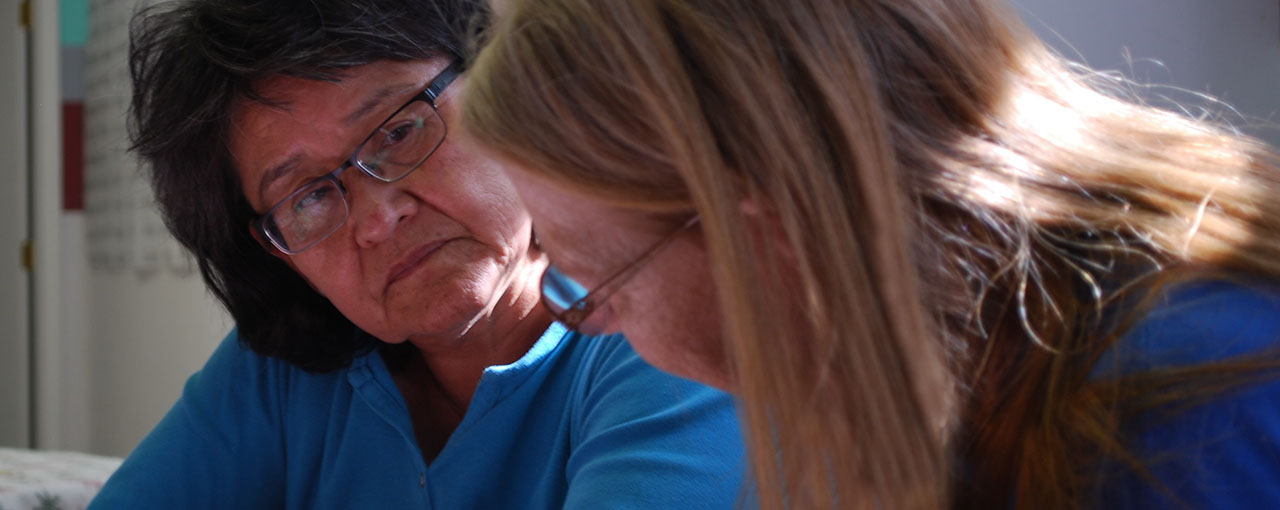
(1222,454)
(73,22)
(577,423)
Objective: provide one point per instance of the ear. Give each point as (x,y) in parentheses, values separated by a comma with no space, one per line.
(755,204)
(766,226)
(750,208)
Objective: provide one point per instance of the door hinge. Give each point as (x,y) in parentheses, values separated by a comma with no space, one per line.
(28,256)
(24,14)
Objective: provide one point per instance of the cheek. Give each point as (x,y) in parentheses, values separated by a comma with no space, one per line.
(323,270)
(485,201)
(687,310)
(674,323)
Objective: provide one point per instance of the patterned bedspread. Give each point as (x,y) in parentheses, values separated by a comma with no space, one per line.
(48,480)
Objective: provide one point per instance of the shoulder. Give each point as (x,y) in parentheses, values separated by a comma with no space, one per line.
(632,421)
(1217,452)
(235,370)
(1200,322)
(612,370)
(621,398)
(239,389)
(231,361)
(234,381)
(224,417)
(234,358)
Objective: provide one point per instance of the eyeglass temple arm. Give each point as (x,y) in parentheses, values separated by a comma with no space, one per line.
(607,287)
(443,80)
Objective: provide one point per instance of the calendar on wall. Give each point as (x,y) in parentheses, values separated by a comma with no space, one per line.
(124,231)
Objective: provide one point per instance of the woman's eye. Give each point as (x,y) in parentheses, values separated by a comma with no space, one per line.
(308,201)
(393,135)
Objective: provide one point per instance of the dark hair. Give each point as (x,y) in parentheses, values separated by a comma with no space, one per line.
(190,61)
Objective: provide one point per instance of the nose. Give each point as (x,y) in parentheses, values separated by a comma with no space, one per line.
(377,208)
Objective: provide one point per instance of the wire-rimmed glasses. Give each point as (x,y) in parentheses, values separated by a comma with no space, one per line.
(571,303)
(395,149)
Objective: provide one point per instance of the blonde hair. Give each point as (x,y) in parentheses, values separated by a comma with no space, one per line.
(935,203)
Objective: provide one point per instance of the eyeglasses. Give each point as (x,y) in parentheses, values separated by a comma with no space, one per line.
(399,145)
(571,304)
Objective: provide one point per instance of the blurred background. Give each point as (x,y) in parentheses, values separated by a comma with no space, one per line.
(103,317)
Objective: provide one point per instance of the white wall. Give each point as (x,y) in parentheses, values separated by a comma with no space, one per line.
(150,321)
(1227,48)
(149,335)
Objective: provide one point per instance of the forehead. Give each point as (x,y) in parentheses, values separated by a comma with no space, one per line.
(305,125)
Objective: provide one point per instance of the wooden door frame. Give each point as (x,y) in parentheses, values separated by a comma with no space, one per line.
(15,281)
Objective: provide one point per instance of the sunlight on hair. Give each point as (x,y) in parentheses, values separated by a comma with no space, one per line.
(1060,123)
(984,189)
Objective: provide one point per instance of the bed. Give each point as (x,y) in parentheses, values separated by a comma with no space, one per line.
(51,480)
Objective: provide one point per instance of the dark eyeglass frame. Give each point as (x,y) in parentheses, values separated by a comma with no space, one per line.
(429,94)
(576,314)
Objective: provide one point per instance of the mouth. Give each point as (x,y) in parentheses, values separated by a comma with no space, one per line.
(414,260)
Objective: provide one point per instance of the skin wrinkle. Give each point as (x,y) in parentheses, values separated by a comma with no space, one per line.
(269,97)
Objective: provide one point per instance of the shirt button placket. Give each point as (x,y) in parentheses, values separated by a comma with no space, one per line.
(426,496)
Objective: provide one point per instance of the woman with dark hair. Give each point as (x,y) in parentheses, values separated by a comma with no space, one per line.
(938,267)
(390,350)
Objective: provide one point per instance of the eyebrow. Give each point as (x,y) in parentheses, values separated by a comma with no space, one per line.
(274,173)
(366,107)
(377,99)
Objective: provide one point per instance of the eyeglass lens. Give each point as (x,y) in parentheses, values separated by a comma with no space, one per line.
(560,292)
(563,297)
(307,215)
(402,142)
(396,148)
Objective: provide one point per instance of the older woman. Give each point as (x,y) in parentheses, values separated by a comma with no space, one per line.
(391,352)
(905,233)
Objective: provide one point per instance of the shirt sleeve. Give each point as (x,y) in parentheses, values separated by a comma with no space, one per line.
(1221,455)
(643,439)
(218,447)
(1224,453)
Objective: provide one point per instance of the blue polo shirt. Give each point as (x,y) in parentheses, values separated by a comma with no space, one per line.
(578,423)
(1224,452)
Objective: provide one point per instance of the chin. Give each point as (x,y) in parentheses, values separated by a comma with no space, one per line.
(444,311)
(439,320)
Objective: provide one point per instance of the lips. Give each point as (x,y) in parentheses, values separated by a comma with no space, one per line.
(414,259)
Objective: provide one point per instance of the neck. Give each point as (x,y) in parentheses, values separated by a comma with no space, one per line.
(458,369)
(512,325)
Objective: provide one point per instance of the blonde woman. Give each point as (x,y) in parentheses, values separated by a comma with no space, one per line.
(940,268)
